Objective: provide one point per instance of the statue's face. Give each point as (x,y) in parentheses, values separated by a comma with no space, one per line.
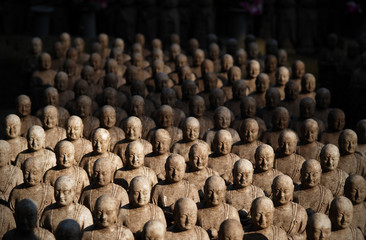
(248,109)
(214,52)
(310,133)
(102,175)
(156,234)
(272,100)
(135,157)
(12,129)
(133,131)
(46,62)
(175,171)
(198,59)
(357,193)
(108,119)
(283,77)
(83,108)
(329,160)
(253,70)
(348,144)
(101,143)
(165,119)
(79,45)
(338,122)
(198,159)
(211,83)
(64,194)
(272,64)
(137,109)
(323,101)
(161,145)
(310,176)
(250,133)
(51,99)
(163,83)
(282,193)
(223,145)
(287,145)
(281,121)
(37,47)
(215,195)
(24,107)
(74,130)
(243,177)
(191,132)
(50,119)
(299,70)
(32,175)
(105,214)
(292,93)
(61,83)
(218,100)
(241,58)
(95,62)
(36,140)
(65,157)
(140,194)
(264,160)
(342,217)
(235,75)
(263,217)
(321,231)
(227,63)
(198,108)
(310,84)
(187,218)
(222,121)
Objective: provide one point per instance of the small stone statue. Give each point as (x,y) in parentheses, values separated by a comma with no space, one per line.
(273,99)
(231,229)
(239,90)
(74,134)
(23,110)
(289,216)
(84,111)
(191,131)
(157,158)
(32,187)
(185,218)
(7,220)
(264,173)
(61,84)
(214,55)
(323,100)
(36,148)
(107,120)
(318,227)
(310,194)
(227,62)
(12,127)
(198,58)
(287,161)
(336,121)
(308,146)
(261,86)
(102,183)
(68,229)
(27,223)
(308,85)
(101,145)
(105,221)
(66,165)
(253,70)
(65,207)
(197,110)
(332,178)
(10,176)
(50,119)
(355,190)
(249,140)
(341,215)
(262,212)
(134,166)
(154,229)
(45,73)
(241,61)
(234,74)
(80,46)
(291,101)
(282,77)
(139,211)
(213,211)
(298,71)
(169,97)
(132,127)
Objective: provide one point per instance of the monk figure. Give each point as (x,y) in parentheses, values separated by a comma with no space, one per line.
(45,73)
(61,84)
(12,127)
(318,227)
(336,122)
(27,223)
(169,97)
(262,84)
(132,127)
(298,71)
(32,187)
(213,210)
(80,45)
(264,173)
(154,229)
(84,111)
(54,134)
(289,216)
(291,101)
(107,120)
(23,110)
(222,159)
(197,109)
(101,145)
(7,220)
(273,99)
(139,211)
(74,134)
(239,91)
(241,58)
(323,100)
(308,85)
(227,62)
(234,74)
(310,194)
(157,158)
(105,221)
(65,207)
(262,224)
(309,147)
(10,176)
(36,138)
(185,218)
(253,70)
(66,165)
(355,190)
(249,140)
(198,58)
(270,67)
(282,77)
(333,177)
(231,229)
(341,216)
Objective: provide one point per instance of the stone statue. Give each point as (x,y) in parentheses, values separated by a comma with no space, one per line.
(139,211)
(336,121)
(154,229)
(213,210)
(308,146)
(310,194)
(32,187)
(264,173)
(66,165)
(333,177)
(197,110)
(298,71)
(253,70)
(45,73)
(101,145)
(10,176)
(169,97)
(7,220)
(80,46)
(291,101)
(11,128)
(262,84)
(341,215)
(361,135)
(273,99)
(239,90)
(198,58)
(189,89)
(214,55)
(27,223)
(36,148)
(262,224)
(286,160)
(355,191)
(156,160)
(74,134)
(241,58)
(68,229)
(61,84)
(323,100)
(289,216)
(271,67)
(318,227)
(308,85)
(104,41)
(96,62)
(107,120)
(248,144)
(227,62)
(231,229)
(282,57)
(134,166)
(185,218)
(65,207)
(132,127)
(23,110)
(282,77)
(105,221)
(234,74)
(84,111)
(50,119)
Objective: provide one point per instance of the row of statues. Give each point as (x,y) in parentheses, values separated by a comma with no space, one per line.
(174,154)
